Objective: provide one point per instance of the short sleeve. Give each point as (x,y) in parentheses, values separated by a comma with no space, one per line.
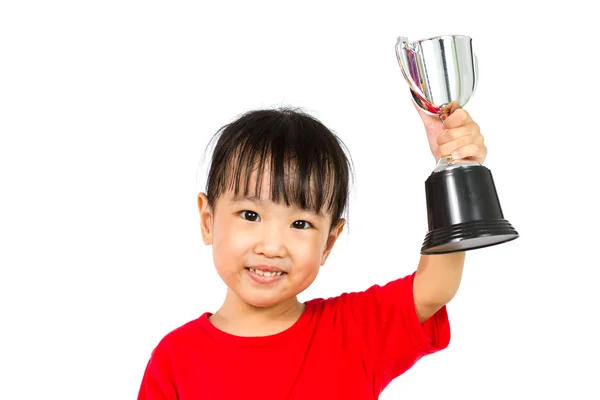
(393,337)
(157,382)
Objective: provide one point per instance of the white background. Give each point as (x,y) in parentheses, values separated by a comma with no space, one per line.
(106,109)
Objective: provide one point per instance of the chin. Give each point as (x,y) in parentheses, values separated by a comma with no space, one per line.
(263,301)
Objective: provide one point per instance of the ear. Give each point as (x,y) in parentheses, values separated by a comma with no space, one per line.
(206,218)
(332,238)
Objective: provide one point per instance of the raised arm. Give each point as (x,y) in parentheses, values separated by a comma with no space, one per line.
(438,276)
(436,282)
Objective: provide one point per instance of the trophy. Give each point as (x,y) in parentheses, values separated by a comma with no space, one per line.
(463,209)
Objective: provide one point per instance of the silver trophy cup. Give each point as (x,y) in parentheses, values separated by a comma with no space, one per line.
(463,208)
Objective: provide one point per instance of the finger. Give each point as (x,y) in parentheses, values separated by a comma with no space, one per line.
(449,135)
(472,151)
(449,147)
(457,118)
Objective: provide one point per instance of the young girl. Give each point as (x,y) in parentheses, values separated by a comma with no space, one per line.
(273,209)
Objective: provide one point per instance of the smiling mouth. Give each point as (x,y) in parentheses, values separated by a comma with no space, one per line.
(265,273)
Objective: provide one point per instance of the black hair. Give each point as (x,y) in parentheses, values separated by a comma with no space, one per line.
(289,142)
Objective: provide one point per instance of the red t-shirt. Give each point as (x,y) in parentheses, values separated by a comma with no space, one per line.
(347,347)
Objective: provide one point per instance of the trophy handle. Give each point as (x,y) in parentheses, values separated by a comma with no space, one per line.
(402,46)
(476,68)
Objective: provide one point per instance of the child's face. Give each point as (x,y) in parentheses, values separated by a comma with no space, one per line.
(257,232)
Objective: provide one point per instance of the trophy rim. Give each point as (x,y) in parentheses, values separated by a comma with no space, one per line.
(446,36)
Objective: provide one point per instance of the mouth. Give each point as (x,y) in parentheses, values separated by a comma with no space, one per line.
(265,277)
(265,272)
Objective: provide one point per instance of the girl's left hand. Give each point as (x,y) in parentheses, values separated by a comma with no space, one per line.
(459,136)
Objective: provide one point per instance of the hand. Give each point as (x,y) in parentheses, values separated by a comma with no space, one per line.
(459,136)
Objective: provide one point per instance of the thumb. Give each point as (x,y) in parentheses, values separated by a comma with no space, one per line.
(428,120)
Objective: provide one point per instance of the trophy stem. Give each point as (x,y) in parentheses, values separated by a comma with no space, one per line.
(443,163)
(448,162)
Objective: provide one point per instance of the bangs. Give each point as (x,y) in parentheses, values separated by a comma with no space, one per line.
(296,155)
(307,183)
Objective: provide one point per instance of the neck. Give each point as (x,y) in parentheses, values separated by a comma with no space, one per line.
(239,318)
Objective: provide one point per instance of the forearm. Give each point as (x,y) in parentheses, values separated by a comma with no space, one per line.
(436,281)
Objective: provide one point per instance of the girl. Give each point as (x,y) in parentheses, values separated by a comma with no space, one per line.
(273,209)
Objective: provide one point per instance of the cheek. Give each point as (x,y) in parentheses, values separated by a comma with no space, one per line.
(231,245)
(307,251)
(226,246)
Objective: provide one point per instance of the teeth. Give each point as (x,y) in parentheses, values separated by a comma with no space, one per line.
(265,273)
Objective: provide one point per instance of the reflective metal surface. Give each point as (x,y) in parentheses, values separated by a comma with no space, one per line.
(447,162)
(441,71)
(442,74)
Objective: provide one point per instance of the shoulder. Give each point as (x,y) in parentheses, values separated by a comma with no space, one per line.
(396,290)
(178,338)
(356,307)
(165,359)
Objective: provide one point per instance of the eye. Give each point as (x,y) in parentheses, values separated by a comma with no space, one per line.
(249,215)
(301,225)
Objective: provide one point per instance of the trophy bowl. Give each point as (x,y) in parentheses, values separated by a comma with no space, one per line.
(463,208)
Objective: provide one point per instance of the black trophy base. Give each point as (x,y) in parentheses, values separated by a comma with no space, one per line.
(468,236)
(464,211)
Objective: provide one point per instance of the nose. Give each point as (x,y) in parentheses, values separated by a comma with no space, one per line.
(270,241)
